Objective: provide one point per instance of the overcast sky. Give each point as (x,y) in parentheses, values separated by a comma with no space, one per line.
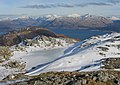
(59,7)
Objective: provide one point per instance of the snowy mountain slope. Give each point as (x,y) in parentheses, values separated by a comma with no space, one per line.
(40,50)
(83,56)
(32,52)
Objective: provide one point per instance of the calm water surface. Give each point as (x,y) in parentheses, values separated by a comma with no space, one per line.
(80,33)
(77,33)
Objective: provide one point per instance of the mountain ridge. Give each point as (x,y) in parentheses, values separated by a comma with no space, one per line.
(62,22)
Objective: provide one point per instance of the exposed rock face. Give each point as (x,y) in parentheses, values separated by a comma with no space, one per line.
(111,63)
(29,33)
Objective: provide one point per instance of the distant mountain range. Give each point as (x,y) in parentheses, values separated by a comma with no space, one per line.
(73,21)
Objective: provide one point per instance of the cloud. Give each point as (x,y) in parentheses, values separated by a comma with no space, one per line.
(41,6)
(37,6)
(100,4)
(114,1)
(48,6)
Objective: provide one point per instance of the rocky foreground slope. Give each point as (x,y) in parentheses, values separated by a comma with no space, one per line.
(102,77)
(70,78)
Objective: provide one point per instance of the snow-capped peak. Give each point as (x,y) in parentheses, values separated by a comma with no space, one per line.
(24,17)
(115,18)
(52,17)
(74,15)
(48,16)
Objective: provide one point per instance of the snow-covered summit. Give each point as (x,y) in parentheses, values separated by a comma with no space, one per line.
(89,16)
(115,18)
(24,17)
(52,17)
(74,15)
(84,56)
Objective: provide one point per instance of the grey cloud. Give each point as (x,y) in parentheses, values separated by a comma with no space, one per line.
(64,5)
(37,6)
(100,4)
(49,6)
(114,1)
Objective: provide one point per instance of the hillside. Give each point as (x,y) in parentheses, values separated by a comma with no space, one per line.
(16,37)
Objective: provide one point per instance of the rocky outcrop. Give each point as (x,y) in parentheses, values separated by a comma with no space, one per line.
(111,63)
